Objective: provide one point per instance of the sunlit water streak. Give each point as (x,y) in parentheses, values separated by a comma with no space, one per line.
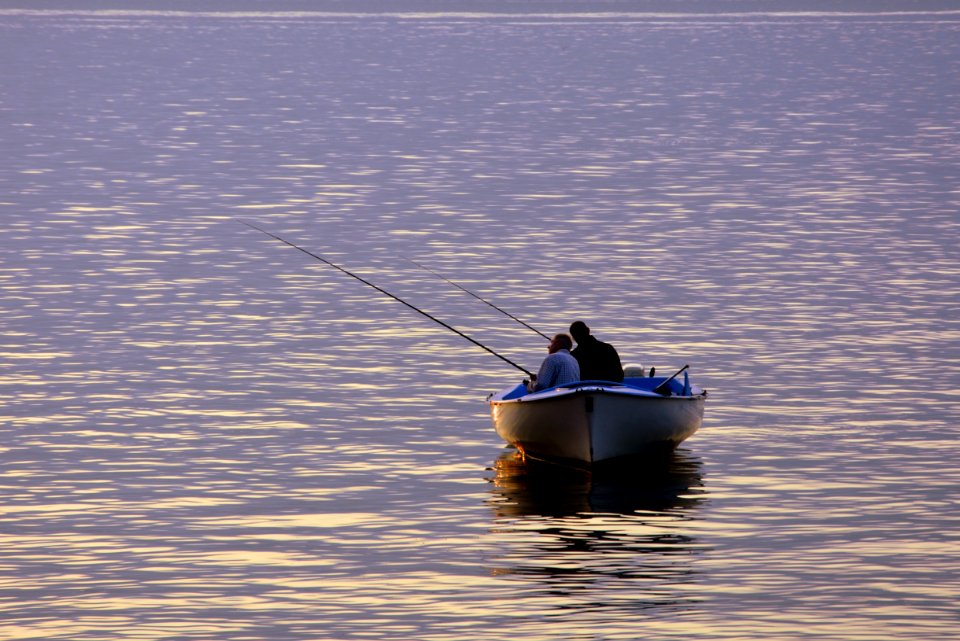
(207,435)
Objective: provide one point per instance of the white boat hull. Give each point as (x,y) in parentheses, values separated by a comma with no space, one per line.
(593,423)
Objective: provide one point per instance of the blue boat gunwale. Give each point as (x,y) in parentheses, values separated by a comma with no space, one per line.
(643,384)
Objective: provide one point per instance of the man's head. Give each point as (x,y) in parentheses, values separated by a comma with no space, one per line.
(579,331)
(558,342)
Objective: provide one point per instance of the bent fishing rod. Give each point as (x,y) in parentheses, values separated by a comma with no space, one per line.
(386,293)
(482,300)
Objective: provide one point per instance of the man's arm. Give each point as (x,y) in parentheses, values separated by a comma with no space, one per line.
(547,374)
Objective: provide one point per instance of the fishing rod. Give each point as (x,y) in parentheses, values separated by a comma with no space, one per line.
(386,293)
(482,300)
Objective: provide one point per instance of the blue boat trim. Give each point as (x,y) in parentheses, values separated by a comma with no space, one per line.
(638,383)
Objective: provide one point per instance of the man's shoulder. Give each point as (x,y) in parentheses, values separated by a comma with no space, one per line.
(607,347)
(588,346)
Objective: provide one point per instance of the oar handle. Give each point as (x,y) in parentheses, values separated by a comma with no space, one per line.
(663,385)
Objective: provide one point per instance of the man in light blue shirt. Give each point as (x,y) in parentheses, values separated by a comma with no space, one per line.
(558,368)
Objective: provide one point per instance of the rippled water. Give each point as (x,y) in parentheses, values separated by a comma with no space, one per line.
(207,435)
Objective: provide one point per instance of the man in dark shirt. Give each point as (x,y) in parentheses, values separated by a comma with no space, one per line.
(598,361)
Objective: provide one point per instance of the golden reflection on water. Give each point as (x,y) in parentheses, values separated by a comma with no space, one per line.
(207,435)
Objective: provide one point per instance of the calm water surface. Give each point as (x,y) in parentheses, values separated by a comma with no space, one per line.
(206,435)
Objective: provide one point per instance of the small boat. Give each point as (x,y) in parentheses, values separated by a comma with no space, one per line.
(593,421)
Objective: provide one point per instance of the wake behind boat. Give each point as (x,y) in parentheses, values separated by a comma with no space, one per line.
(593,421)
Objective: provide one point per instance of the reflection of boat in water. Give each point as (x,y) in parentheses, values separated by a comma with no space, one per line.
(652,484)
(593,421)
(618,540)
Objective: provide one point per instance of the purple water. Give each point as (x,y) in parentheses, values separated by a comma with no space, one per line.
(208,435)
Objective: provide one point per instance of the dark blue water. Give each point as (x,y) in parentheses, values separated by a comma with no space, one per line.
(208,435)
